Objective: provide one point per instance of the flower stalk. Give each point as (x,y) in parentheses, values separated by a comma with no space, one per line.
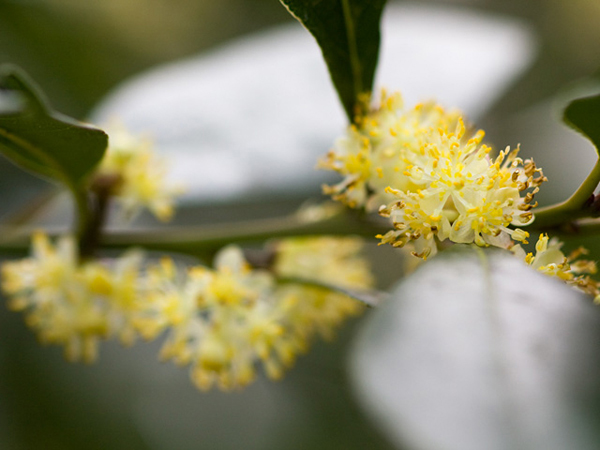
(582,204)
(206,240)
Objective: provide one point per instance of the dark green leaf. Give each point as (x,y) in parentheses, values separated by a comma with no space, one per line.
(42,141)
(348,33)
(477,351)
(583,115)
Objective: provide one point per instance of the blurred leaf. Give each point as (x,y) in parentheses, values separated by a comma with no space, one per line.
(348,33)
(477,351)
(43,141)
(583,115)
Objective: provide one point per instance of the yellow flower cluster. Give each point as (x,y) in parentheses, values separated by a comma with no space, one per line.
(328,260)
(433,178)
(222,321)
(139,175)
(70,304)
(550,260)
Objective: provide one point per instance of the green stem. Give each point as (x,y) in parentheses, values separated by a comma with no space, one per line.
(211,238)
(579,205)
(207,240)
(89,239)
(369,297)
(83,210)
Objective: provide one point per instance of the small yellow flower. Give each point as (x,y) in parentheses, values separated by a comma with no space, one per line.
(433,178)
(141,175)
(70,304)
(116,282)
(220,321)
(331,261)
(58,305)
(550,260)
(226,321)
(370,156)
(223,322)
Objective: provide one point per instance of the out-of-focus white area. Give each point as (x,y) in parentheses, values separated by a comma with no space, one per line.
(437,367)
(461,58)
(253,117)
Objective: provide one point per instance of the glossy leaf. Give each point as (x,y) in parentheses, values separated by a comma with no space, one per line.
(41,140)
(583,115)
(477,351)
(348,33)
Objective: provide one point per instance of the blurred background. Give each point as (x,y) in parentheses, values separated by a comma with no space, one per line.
(78,52)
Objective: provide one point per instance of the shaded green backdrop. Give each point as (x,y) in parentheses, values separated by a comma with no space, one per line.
(78,50)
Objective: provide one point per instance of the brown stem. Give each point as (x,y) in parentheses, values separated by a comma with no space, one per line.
(99,197)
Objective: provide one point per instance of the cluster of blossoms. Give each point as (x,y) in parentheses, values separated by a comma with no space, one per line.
(66,302)
(550,260)
(223,322)
(437,182)
(433,178)
(420,167)
(137,177)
